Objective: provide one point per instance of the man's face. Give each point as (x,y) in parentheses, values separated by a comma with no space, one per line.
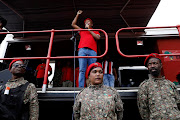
(96,76)
(18,68)
(88,24)
(154,66)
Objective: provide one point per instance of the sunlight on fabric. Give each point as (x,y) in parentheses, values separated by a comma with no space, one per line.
(166,14)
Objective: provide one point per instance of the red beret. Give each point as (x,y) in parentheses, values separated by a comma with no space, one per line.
(91,66)
(87,19)
(13,62)
(152,55)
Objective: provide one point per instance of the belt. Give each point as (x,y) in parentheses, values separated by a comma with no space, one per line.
(87,48)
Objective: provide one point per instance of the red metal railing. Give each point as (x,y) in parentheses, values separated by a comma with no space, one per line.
(133,28)
(50,49)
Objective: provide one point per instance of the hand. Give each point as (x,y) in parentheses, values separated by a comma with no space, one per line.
(87,25)
(79,12)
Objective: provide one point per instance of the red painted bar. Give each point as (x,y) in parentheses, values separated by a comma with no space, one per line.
(50,49)
(132,28)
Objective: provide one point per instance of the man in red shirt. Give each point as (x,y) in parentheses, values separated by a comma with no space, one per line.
(87,46)
(40,71)
(67,75)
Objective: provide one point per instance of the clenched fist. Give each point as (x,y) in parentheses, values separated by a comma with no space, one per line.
(79,12)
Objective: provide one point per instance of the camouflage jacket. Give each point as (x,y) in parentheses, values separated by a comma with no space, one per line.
(98,102)
(30,96)
(157,99)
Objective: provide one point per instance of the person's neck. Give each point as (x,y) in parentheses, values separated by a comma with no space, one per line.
(15,77)
(159,76)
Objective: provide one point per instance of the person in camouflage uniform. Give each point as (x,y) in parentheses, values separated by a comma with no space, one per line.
(157,97)
(18,97)
(97,102)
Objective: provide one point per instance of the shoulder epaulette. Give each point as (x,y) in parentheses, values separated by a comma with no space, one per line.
(112,88)
(171,83)
(81,91)
(142,83)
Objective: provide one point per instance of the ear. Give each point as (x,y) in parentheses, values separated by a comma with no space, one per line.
(10,70)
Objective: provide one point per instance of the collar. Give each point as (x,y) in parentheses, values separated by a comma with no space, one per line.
(96,86)
(156,79)
(18,79)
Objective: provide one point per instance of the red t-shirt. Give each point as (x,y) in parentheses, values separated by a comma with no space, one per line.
(67,74)
(77,76)
(87,40)
(41,70)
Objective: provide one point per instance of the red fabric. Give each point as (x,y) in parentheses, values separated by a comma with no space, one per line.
(107,67)
(87,40)
(13,62)
(104,63)
(152,55)
(67,74)
(110,70)
(41,70)
(77,76)
(91,66)
(87,19)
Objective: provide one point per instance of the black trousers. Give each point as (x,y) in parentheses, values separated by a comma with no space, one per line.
(40,82)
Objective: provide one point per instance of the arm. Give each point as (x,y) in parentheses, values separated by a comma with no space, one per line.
(119,106)
(142,101)
(177,97)
(31,96)
(35,73)
(95,36)
(76,108)
(74,22)
(50,70)
(115,73)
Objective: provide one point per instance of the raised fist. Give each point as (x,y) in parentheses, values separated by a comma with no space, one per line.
(79,12)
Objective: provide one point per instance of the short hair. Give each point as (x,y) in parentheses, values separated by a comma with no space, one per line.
(3,21)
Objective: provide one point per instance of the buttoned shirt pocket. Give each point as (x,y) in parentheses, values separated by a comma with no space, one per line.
(153,95)
(155,116)
(108,105)
(152,105)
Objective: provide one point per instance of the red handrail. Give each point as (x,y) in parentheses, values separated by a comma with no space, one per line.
(132,28)
(50,49)
(47,62)
(59,57)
